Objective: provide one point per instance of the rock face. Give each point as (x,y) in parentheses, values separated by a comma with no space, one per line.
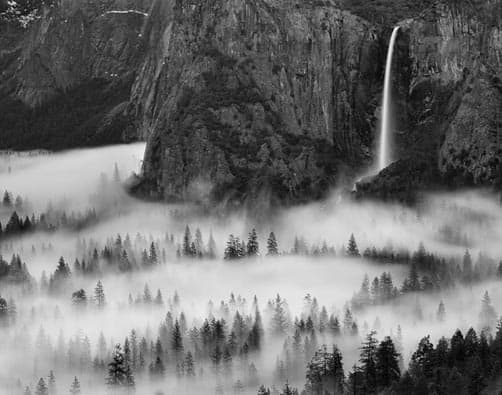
(455,88)
(449,100)
(78,58)
(245,98)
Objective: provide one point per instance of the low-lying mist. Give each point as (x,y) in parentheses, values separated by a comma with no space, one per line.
(331,273)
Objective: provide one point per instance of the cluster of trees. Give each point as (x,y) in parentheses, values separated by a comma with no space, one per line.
(18,225)
(469,364)
(10,203)
(8,312)
(194,247)
(237,248)
(435,274)
(48,386)
(14,272)
(227,344)
(121,254)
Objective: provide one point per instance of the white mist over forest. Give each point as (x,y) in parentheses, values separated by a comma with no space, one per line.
(148,275)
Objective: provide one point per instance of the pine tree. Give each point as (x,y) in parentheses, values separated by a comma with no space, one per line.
(387,364)
(232,249)
(119,372)
(116,174)
(177,339)
(147,296)
(487,316)
(189,365)
(199,243)
(263,391)
(153,254)
(352,249)
(368,361)
(158,298)
(79,298)
(441,313)
(75,387)
(325,372)
(41,388)
(253,248)
(187,242)
(280,320)
(467,267)
(99,295)
(287,390)
(272,247)
(52,382)
(211,247)
(7,200)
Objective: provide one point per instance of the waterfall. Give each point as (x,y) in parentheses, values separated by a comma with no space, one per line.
(385,130)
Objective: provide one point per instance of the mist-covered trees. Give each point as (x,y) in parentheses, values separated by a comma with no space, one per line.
(352,249)
(75,387)
(272,246)
(99,295)
(325,373)
(119,371)
(487,316)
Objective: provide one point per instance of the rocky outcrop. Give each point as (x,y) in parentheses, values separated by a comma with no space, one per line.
(448,98)
(80,56)
(455,87)
(245,98)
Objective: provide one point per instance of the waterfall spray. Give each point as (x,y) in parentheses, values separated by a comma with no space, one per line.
(384,155)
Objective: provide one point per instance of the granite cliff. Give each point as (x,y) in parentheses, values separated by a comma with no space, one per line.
(66,75)
(245,98)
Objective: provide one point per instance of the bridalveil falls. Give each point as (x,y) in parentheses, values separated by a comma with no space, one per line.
(385,129)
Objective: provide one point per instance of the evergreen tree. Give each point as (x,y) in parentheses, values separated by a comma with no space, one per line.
(79,298)
(7,200)
(75,387)
(116,174)
(153,254)
(368,361)
(467,267)
(232,251)
(199,243)
(441,313)
(41,388)
(177,339)
(253,248)
(352,249)
(158,298)
(487,316)
(387,364)
(187,242)
(52,382)
(119,372)
(263,391)
(325,373)
(189,365)
(147,296)
(272,247)
(287,390)
(211,247)
(280,320)
(99,295)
